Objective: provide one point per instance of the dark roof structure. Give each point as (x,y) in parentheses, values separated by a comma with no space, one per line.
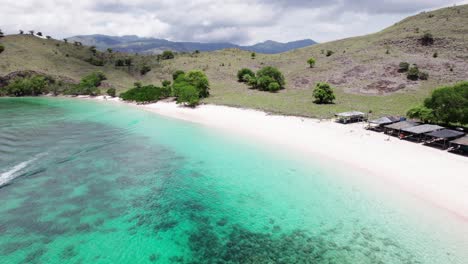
(402,124)
(446,133)
(386,120)
(461,141)
(422,129)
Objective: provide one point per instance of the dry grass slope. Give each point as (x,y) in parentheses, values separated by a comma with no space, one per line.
(366,78)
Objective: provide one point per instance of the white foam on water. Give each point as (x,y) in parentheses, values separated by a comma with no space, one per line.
(12,174)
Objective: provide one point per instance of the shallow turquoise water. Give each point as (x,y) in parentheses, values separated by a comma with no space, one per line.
(88,182)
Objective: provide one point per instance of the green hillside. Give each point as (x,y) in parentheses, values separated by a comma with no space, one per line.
(363,70)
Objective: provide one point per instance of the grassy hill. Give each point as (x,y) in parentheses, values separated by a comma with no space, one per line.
(365,77)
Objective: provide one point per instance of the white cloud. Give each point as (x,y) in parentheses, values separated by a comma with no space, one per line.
(240,21)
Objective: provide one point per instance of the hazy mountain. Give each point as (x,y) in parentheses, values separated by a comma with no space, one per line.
(135,44)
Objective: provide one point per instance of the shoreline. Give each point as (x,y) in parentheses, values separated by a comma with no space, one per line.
(432,175)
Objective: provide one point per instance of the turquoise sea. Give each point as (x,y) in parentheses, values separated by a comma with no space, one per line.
(94,182)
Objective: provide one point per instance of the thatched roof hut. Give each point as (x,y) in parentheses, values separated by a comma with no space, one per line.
(422,129)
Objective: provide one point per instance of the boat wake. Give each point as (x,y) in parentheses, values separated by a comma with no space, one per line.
(7,176)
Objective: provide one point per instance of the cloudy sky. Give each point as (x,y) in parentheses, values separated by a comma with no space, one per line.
(238,21)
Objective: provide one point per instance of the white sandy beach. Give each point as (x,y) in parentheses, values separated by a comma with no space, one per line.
(435,176)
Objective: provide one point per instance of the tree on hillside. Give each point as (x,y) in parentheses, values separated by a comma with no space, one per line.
(244,74)
(329,53)
(1,34)
(109,50)
(21,32)
(31,32)
(448,104)
(323,93)
(199,80)
(145,69)
(2,48)
(48,37)
(189,96)
(167,55)
(253,55)
(39,34)
(119,62)
(93,50)
(65,40)
(311,62)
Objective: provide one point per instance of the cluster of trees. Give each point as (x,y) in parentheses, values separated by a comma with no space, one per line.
(266,79)
(88,85)
(188,88)
(412,71)
(145,93)
(447,105)
(27,86)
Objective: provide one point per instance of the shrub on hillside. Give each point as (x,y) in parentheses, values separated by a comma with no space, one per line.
(329,53)
(423,76)
(403,67)
(167,55)
(311,62)
(95,61)
(427,39)
(323,94)
(2,48)
(145,69)
(413,73)
(119,62)
(448,104)
(111,92)
(243,73)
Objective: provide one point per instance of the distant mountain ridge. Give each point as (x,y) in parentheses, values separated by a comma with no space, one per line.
(135,44)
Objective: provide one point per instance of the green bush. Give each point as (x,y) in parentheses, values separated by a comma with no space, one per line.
(119,62)
(403,67)
(95,61)
(274,87)
(2,48)
(145,69)
(323,93)
(166,83)
(167,55)
(88,85)
(35,85)
(274,74)
(242,73)
(311,62)
(111,92)
(143,94)
(450,103)
(176,74)
(199,80)
(189,96)
(263,83)
(422,113)
(413,73)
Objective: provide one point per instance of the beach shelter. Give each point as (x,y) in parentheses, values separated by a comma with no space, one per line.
(378,124)
(350,117)
(460,144)
(442,137)
(419,132)
(395,129)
